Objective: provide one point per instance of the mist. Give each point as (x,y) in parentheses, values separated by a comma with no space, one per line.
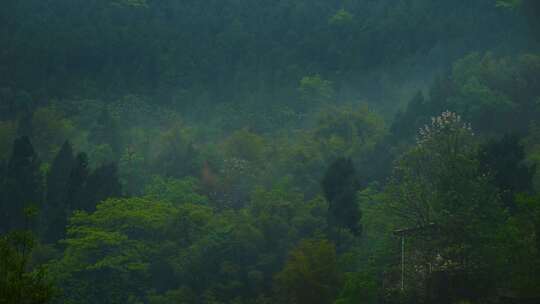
(257,152)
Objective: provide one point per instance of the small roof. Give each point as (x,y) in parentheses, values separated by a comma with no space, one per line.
(408,231)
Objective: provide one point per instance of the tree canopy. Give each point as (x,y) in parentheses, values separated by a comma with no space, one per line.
(257,151)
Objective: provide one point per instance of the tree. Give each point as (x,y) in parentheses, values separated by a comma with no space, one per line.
(341,18)
(315,91)
(348,131)
(529,8)
(505,160)
(133,172)
(482,88)
(340,185)
(22,185)
(177,156)
(174,191)
(105,132)
(359,288)
(102,183)
(86,188)
(77,183)
(310,275)
(56,207)
(439,188)
(284,218)
(50,129)
(246,145)
(128,248)
(406,123)
(509,3)
(521,239)
(18,284)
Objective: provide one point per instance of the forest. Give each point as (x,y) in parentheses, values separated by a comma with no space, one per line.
(269,151)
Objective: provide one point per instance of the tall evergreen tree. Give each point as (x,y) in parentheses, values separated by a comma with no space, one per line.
(102,183)
(77,182)
(340,185)
(23,184)
(24,126)
(56,204)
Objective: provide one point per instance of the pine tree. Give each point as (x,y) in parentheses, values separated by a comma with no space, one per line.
(23,184)
(25,126)
(340,185)
(77,183)
(56,205)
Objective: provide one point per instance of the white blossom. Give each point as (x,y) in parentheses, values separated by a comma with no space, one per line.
(446,123)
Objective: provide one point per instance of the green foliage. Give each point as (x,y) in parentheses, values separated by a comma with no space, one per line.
(311,274)
(509,3)
(179,251)
(505,161)
(209,127)
(522,247)
(438,188)
(121,241)
(340,18)
(22,186)
(174,191)
(359,288)
(175,153)
(243,144)
(284,218)
(179,61)
(101,183)
(104,132)
(100,155)
(483,89)
(348,131)
(303,156)
(19,282)
(133,171)
(50,129)
(315,91)
(479,98)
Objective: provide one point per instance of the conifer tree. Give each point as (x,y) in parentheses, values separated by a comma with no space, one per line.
(23,184)
(77,182)
(56,207)
(340,185)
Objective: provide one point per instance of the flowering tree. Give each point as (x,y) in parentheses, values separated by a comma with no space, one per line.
(438,184)
(446,135)
(443,157)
